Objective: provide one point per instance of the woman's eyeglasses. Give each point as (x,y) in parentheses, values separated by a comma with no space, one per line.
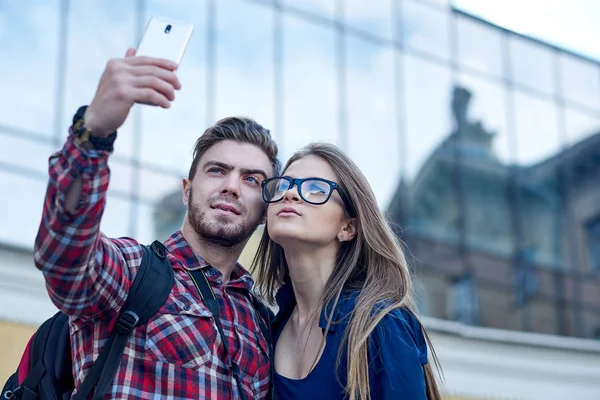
(311,190)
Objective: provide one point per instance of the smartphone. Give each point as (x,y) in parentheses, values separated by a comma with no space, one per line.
(165,39)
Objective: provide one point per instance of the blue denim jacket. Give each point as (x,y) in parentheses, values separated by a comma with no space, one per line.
(397,352)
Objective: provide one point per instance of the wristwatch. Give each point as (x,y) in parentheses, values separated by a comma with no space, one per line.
(84,135)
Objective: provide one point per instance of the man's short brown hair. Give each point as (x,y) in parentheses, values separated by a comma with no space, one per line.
(239,129)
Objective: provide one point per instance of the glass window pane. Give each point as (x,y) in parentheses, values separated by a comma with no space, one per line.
(116,218)
(440,2)
(25,153)
(580,81)
(425,28)
(531,64)
(160,219)
(28,65)
(427,190)
(323,8)
(168,136)
(21,212)
(373,17)
(538,181)
(479,46)
(109,29)
(498,307)
(544,317)
(160,211)
(146,231)
(487,106)
(484,165)
(244,69)
(120,176)
(536,123)
(310,106)
(372,121)
(581,125)
(428,105)
(154,186)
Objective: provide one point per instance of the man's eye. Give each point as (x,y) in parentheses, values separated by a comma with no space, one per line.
(252,179)
(215,170)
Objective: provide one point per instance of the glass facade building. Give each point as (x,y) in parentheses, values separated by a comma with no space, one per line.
(482,145)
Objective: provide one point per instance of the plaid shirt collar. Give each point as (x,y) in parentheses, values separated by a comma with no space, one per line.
(181,249)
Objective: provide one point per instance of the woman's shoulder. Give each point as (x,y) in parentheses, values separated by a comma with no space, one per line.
(400,329)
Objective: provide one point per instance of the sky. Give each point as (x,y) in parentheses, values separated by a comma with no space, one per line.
(572,24)
(101,29)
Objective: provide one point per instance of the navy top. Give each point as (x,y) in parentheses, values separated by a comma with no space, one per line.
(397,351)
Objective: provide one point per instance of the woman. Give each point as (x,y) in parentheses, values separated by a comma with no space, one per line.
(346,326)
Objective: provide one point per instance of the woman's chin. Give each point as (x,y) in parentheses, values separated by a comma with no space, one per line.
(282,237)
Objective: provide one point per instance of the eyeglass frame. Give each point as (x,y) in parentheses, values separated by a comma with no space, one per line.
(298,183)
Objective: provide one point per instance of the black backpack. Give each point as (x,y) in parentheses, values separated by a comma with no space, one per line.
(45,370)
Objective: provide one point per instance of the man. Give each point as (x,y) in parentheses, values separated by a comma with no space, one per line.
(179,352)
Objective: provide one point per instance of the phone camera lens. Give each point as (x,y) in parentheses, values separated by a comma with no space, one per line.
(168,29)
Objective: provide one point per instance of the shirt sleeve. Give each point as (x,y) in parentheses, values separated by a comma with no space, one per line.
(86,273)
(397,353)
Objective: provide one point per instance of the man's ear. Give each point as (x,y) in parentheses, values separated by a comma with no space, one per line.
(348,230)
(187,189)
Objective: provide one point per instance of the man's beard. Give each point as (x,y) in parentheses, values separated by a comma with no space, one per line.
(221,233)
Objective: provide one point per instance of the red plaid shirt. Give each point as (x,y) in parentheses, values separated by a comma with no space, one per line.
(178,353)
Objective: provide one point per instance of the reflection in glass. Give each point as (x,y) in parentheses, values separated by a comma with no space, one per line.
(592,232)
(373,140)
(109,29)
(244,61)
(160,219)
(121,175)
(484,178)
(310,106)
(372,17)
(145,229)
(154,185)
(425,28)
(14,148)
(427,100)
(487,105)
(531,64)
(29,40)
(116,218)
(479,46)
(323,8)
(536,124)
(538,179)
(168,136)
(581,125)
(580,81)
(21,213)
(425,201)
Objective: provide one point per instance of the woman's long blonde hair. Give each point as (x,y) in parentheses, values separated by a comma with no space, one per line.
(372,262)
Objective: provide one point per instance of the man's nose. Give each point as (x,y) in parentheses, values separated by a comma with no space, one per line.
(231,185)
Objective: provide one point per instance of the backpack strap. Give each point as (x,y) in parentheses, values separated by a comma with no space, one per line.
(149,291)
(264,322)
(266,316)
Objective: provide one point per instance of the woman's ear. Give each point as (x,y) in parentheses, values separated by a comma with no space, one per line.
(348,231)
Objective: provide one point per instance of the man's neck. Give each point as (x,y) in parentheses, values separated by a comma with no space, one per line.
(309,270)
(223,258)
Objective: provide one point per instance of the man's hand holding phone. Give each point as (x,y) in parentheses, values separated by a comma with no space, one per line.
(147,78)
(125,82)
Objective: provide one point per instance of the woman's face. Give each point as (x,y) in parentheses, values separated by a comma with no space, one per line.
(295,221)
